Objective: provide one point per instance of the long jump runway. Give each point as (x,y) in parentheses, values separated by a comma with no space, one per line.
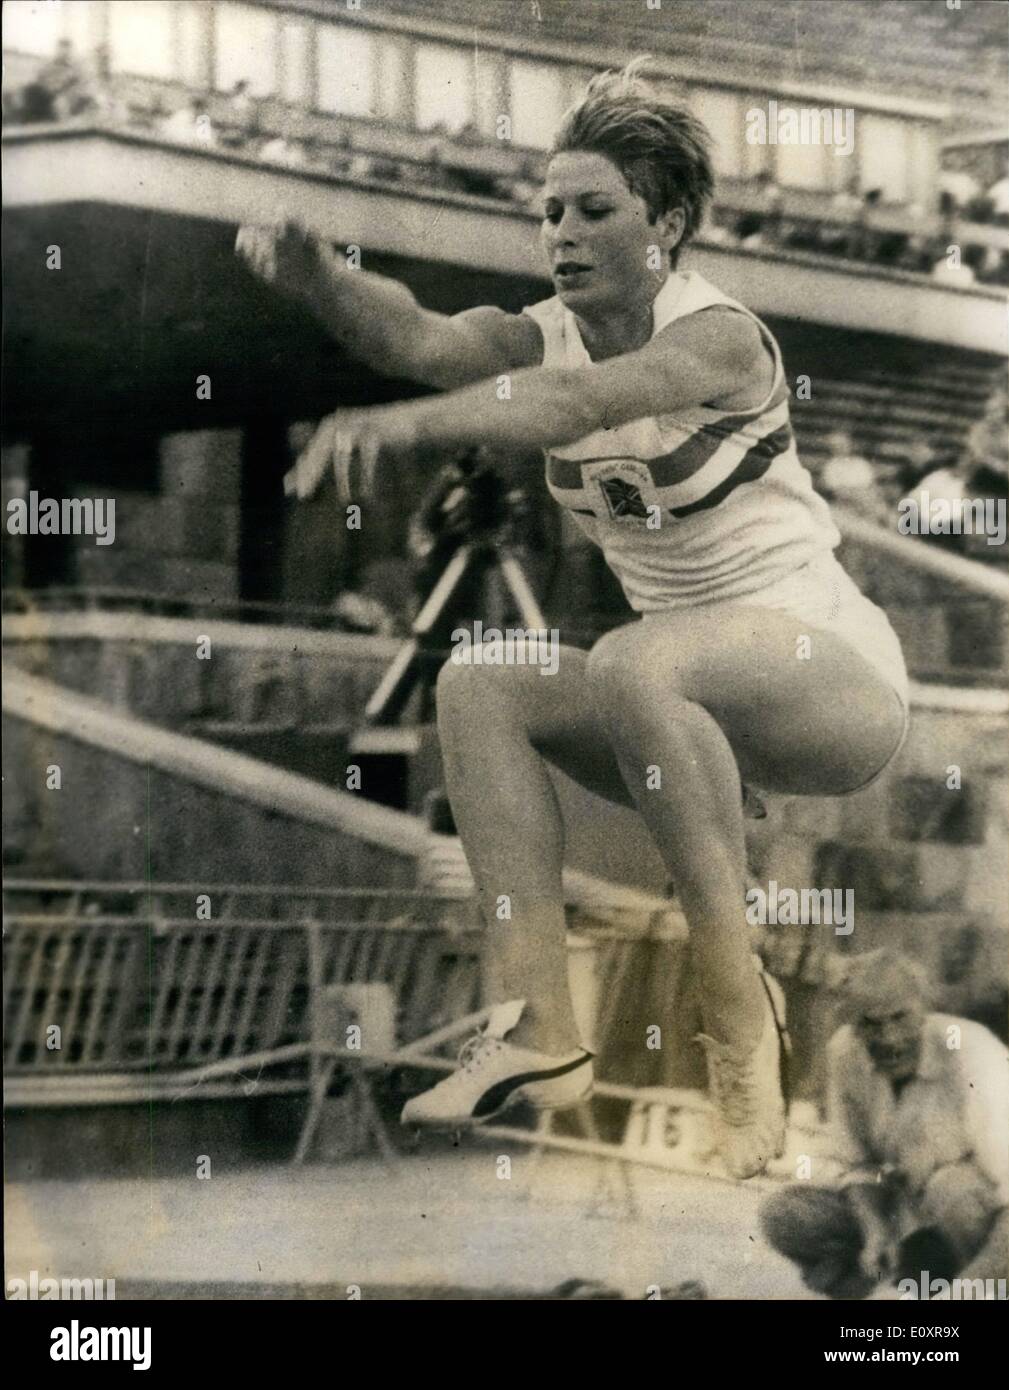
(447,1227)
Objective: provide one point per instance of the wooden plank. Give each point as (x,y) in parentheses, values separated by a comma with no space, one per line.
(22,1093)
(67,713)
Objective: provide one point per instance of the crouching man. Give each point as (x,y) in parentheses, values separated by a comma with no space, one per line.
(918,1105)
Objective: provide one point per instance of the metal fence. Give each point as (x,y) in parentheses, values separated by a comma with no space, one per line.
(134,987)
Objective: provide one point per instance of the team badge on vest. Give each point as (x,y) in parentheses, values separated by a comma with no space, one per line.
(621,490)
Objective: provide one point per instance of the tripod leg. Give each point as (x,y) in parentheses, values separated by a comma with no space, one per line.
(439,597)
(519,587)
(394,688)
(431,627)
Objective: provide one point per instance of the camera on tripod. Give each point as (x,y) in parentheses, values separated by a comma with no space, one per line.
(469,502)
(463,535)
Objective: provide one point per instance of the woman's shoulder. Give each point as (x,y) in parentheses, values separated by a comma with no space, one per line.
(694,294)
(516,339)
(547,318)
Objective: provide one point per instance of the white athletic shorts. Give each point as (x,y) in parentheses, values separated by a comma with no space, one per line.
(824,595)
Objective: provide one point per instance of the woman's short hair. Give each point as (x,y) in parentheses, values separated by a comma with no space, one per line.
(663,152)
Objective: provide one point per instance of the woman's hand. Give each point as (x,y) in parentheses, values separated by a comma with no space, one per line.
(287,256)
(354,442)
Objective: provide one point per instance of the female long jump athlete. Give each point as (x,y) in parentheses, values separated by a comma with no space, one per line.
(663,410)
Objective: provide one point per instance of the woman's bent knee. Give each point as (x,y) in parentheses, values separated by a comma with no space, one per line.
(469,694)
(622,677)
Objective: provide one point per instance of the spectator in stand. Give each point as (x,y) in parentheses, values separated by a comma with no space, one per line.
(151,117)
(957,188)
(987,447)
(435,153)
(771,199)
(998,197)
(988,264)
(335,156)
(768,191)
(918,255)
(715,234)
(890,248)
(99,89)
(942,481)
(481,183)
(361,166)
(190,124)
(58,89)
(846,207)
(314,157)
(243,116)
(850,479)
(281,149)
(846,202)
(460,177)
(919,460)
(949,274)
(986,468)
(523,188)
(801,234)
(387,169)
(833,238)
(992,205)
(414,172)
(862,239)
(750,231)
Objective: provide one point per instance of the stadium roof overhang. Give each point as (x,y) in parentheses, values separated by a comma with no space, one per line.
(149,293)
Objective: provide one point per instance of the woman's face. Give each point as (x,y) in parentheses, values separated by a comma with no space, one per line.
(598,241)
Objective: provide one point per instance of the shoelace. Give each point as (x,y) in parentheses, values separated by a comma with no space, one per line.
(475,1051)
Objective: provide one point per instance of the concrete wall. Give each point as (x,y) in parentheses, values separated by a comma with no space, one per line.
(114,818)
(183,540)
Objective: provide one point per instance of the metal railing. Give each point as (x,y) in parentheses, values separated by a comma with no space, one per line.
(153,995)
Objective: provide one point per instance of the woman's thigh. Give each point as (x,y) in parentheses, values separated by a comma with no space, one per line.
(803,712)
(554,712)
(801,709)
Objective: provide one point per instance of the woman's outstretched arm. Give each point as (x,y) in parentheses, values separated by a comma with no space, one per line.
(717,356)
(379,320)
(704,358)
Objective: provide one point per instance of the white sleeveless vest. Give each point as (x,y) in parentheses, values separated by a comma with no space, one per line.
(695,505)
